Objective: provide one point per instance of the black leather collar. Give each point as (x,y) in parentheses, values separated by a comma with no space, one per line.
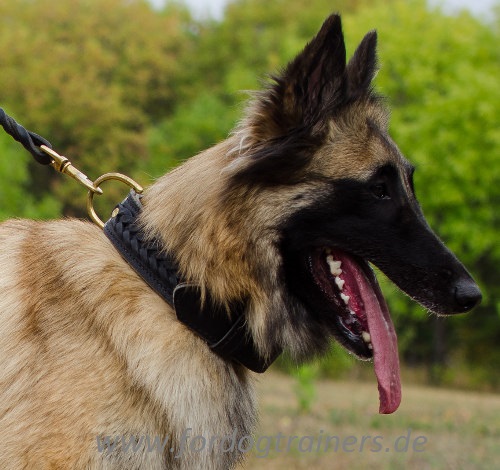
(228,337)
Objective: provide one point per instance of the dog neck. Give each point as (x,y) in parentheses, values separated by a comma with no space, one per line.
(224,330)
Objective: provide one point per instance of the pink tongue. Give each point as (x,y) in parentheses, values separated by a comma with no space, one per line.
(385,346)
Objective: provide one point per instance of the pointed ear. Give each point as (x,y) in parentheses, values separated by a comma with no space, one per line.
(313,81)
(362,67)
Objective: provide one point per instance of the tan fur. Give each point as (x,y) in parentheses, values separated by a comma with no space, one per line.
(236,257)
(88,349)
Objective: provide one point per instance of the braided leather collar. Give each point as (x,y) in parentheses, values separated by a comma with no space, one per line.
(227,337)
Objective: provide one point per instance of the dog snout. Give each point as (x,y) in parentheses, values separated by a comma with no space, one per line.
(466,294)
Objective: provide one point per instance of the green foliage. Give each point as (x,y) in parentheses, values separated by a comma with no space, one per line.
(203,122)
(15,195)
(440,74)
(305,389)
(118,86)
(256,37)
(444,105)
(90,75)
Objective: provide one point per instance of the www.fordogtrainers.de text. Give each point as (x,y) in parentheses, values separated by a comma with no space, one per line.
(262,445)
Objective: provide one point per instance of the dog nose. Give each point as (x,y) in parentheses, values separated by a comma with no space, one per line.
(467,295)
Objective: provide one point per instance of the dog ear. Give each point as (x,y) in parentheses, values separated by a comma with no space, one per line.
(362,67)
(288,119)
(314,80)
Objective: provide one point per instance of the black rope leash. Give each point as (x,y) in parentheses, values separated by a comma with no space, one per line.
(229,339)
(30,141)
(42,151)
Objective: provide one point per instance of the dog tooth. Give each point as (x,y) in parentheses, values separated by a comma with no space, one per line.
(339,282)
(366,336)
(370,346)
(334,265)
(352,312)
(344,297)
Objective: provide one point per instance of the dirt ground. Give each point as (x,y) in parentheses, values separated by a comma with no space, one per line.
(433,428)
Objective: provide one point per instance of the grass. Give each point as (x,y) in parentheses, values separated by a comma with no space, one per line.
(433,428)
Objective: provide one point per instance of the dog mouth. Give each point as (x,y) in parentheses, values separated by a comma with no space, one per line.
(362,322)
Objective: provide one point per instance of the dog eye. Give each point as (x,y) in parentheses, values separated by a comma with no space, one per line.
(380,191)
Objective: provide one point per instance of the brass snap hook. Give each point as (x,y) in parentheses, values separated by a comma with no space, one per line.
(108,176)
(63,165)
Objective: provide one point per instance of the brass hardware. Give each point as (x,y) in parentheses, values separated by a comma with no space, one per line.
(108,176)
(63,165)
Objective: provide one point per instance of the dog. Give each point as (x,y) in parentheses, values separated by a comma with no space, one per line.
(268,237)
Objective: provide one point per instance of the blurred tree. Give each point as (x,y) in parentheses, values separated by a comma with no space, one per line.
(440,74)
(89,75)
(228,58)
(199,124)
(15,197)
(116,85)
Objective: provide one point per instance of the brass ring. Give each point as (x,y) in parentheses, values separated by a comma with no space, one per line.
(108,176)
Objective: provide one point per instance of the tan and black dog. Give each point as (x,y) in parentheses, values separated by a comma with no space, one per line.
(282,219)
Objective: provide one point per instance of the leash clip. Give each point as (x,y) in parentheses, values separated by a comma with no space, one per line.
(63,165)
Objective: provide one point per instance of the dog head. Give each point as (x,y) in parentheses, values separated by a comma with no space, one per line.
(340,195)
(288,213)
